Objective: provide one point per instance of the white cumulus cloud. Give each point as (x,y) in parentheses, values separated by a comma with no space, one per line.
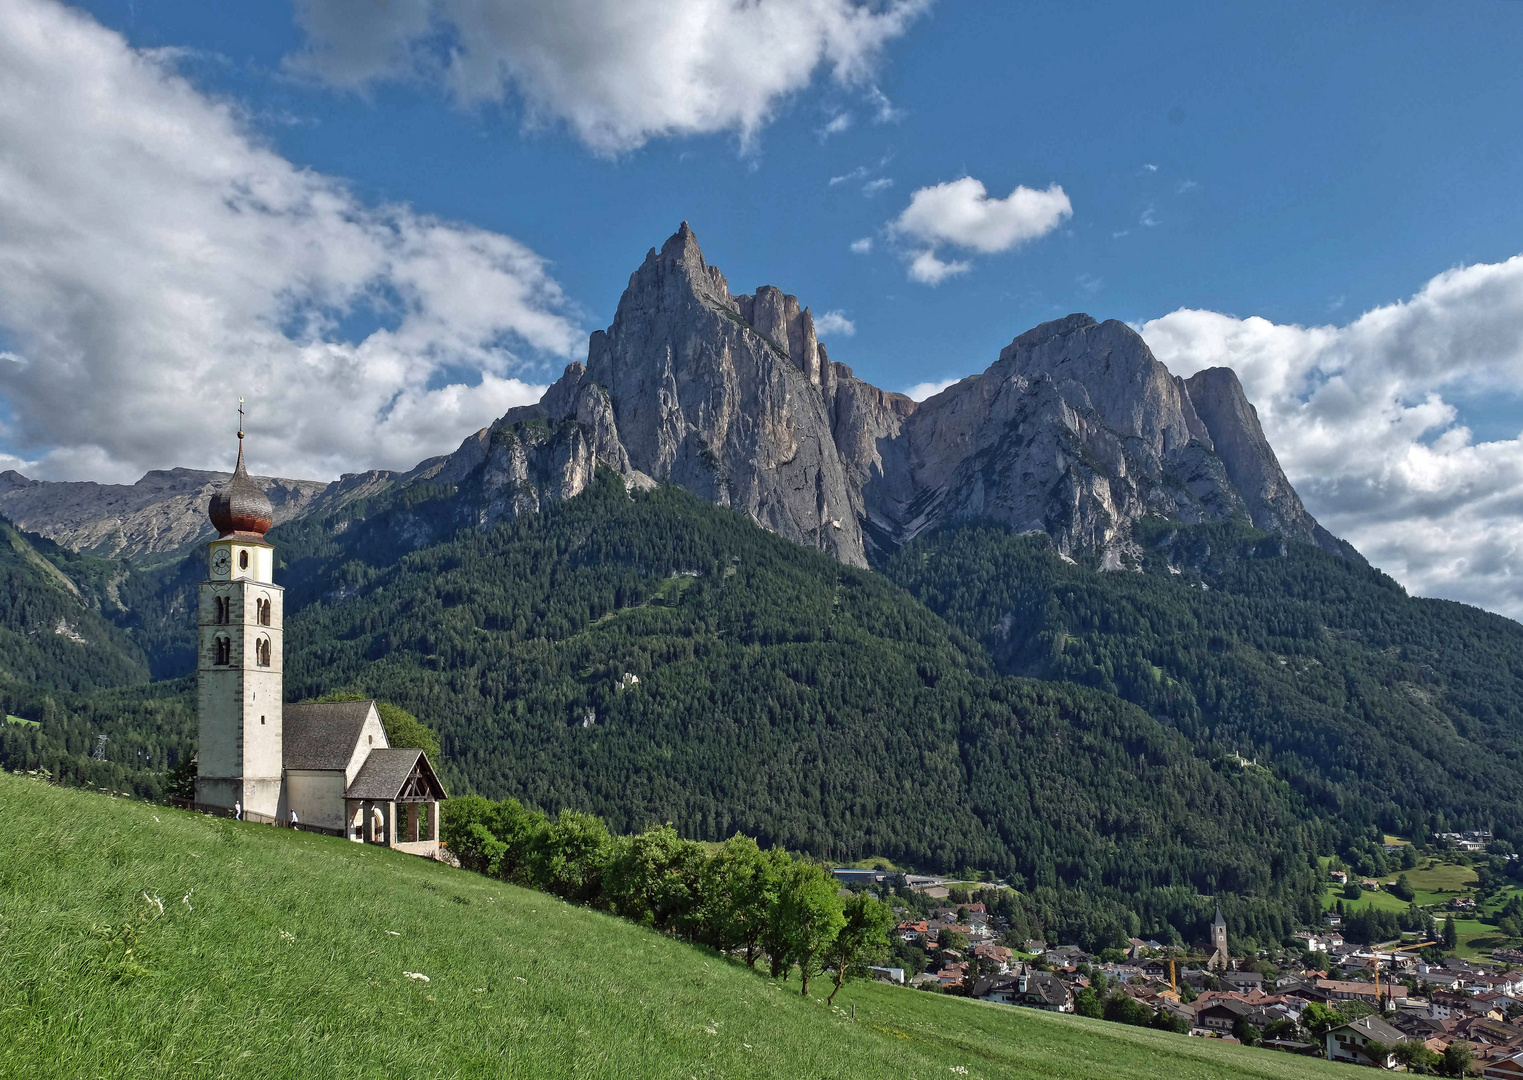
(960,213)
(834,324)
(1366,419)
(927,269)
(862,246)
(157,261)
(617,72)
(921,391)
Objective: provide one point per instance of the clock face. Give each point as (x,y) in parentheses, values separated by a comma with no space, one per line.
(222,562)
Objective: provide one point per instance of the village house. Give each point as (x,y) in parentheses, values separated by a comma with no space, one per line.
(1220,1017)
(1029,988)
(1242,981)
(995,954)
(1347,1042)
(1507,1068)
(1309,942)
(1368,993)
(1419,1026)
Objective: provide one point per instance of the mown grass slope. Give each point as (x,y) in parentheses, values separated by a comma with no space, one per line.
(282,954)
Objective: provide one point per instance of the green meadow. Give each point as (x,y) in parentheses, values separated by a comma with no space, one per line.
(145,942)
(1436,886)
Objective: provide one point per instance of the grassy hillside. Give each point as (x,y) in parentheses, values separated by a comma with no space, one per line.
(282,954)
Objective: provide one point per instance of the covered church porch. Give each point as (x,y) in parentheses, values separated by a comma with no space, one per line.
(394,800)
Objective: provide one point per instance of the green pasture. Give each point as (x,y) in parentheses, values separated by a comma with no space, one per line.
(1436,886)
(140,941)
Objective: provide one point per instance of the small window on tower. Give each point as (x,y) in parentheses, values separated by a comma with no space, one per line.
(243,560)
(224,650)
(261,719)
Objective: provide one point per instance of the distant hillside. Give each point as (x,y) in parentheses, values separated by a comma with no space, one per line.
(52,630)
(162,512)
(1381,709)
(159,943)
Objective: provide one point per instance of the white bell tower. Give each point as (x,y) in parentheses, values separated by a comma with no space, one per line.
(238,667)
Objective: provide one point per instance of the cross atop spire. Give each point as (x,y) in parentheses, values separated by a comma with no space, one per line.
(240,424)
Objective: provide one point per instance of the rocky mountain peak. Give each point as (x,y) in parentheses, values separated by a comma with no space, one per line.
(1076,430)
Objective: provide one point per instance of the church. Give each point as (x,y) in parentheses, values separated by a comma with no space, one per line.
(328,763)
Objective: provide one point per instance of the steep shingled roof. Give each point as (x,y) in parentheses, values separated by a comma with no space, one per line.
(386,771)
(1373,1027)
(323,734)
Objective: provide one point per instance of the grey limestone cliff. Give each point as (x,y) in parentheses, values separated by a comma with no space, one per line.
(727,396)
(1076,431)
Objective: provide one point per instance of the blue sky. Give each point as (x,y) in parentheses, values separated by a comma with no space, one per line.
(388,223)
(1340,156)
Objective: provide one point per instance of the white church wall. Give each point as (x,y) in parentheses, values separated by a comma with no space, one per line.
(372,737)
(317,796)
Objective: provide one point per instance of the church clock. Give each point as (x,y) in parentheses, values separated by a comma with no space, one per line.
(222,562)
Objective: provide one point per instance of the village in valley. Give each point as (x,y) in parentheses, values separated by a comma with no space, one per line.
(1424,998)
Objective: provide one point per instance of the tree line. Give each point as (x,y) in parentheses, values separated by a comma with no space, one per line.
(740,899)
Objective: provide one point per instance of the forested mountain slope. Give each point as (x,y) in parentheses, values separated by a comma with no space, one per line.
(52,631)
(1381,709)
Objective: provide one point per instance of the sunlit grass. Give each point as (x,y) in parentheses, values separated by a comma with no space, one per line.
(139,941)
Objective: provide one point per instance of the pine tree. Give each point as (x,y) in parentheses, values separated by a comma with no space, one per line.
(1451,935)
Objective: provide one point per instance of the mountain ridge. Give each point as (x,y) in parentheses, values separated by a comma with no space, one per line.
(1075,431)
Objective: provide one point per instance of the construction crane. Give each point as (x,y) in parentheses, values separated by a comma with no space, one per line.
(1394,954)
(1174,961)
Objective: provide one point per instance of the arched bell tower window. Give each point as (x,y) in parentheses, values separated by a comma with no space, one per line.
(262,652)
(224,650)
(243,560)
(262,609)
(224,609)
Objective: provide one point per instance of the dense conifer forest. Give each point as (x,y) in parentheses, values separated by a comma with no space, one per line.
(1382,710)
(1127,749)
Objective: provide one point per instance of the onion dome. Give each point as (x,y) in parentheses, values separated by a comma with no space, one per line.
(241,506)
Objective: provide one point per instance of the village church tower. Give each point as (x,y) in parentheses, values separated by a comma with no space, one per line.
(325,765)
(238,666)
